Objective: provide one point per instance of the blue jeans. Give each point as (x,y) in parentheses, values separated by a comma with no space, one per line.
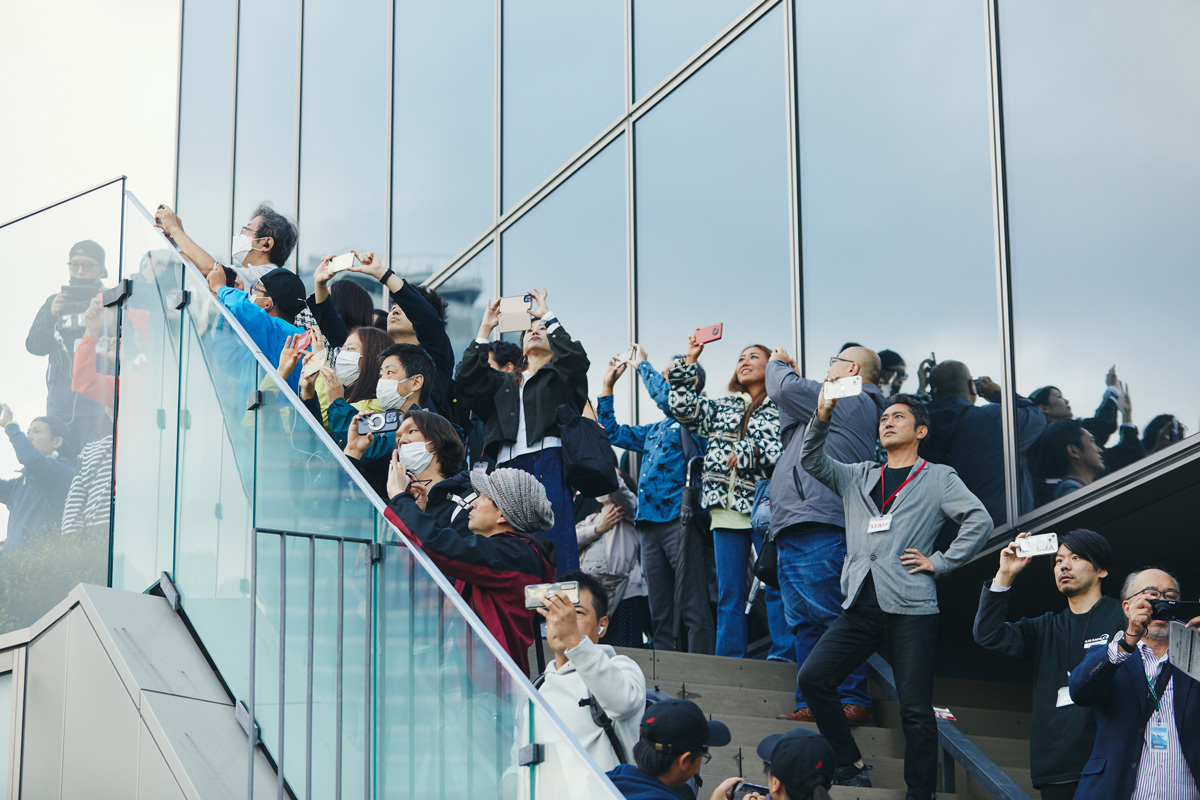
(810,568)
(547,466)
(732,552)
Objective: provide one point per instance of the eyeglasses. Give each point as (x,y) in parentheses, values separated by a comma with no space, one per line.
(839,358)
(253,233)
(1155,594)
(80,266)
(705,756)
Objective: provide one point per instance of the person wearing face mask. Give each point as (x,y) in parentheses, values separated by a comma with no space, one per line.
(430,450)
(520,409)
(56,331)
(35,500)
(263,243)
(336,389)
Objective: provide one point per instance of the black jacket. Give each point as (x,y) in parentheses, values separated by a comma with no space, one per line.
(493,395)
(1062,737)
(449,502)
(47,337)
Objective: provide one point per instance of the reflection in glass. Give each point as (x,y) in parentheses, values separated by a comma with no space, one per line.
(443,132)
(343,131)
(206,120)
(1102,203)
(466,293)
(667,32)
(573,244)
(265,167)
(712,227)
(564,79)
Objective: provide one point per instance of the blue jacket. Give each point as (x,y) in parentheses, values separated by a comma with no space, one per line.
(269,333)
(1121,698)
(660,485)
(35,500)
(634,784)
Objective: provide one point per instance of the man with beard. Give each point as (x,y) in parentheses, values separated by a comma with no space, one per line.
(1063,733)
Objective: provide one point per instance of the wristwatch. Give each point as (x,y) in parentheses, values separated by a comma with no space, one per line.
(1124,645)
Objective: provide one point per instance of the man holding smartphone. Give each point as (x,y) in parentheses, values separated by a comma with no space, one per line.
(893,516)
(1063,733)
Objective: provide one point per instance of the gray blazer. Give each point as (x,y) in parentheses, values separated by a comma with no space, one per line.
(918,513)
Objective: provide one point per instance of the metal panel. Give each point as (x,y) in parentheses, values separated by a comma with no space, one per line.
(100,735)
(45,700)
(154,778)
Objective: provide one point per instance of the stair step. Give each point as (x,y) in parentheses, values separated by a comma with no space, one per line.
(971,721)
(721,700)
(747,672)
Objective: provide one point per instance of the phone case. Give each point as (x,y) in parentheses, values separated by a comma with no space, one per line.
(709,333)
(843,387)
(1043,545)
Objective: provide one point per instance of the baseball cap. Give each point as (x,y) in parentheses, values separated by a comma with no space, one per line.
(796,756)
(676,727)
(286,289)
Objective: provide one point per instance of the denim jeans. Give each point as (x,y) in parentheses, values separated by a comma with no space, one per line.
(547,466)
(732,551)
(810,568)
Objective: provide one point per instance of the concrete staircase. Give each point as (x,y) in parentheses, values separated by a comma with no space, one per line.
(746,695)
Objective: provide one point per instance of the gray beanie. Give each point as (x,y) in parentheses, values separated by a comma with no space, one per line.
(519,496)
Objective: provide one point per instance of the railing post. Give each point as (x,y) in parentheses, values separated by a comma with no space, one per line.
(947,772)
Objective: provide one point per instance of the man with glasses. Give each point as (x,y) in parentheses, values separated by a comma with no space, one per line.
(808,522)
(1147,740)
(56,331)
(261,245)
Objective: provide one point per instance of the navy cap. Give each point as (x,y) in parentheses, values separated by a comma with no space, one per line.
(796,756)
(676,727)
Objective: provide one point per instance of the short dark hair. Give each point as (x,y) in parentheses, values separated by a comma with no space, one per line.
(651,761)
(701,378)
(353,303)
(1041,397)
(380,320)
(1090,546)
(1050,450)
(507,353)
(415,361)
(279,228)
(593,585)
(447,447)
(919,411)
(1154,427)
(374,342)
(58,427)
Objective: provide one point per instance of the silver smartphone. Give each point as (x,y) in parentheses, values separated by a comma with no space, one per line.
(535,594)
(1041,545)
(843,387)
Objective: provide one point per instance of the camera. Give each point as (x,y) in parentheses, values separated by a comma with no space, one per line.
(381,422)
(1182,610)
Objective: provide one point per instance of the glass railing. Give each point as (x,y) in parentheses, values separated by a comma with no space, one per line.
(56,459)
(366,673)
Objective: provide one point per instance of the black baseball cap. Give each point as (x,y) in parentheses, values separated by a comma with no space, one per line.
(285,288)
(676,727)
(798,755)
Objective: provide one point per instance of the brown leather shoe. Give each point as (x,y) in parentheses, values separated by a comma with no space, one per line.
(799,715)
(858,715)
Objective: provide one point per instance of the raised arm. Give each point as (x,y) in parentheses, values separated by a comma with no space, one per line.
(169,222)
(795,396)
(837,476)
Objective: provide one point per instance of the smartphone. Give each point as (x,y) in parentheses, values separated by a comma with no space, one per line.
(629,356)
(314,363)
(710,333)
(342,263)
(535,594)
(514,313)
(843,387)
(1042,545)
(304,341)
(382,422)
(745,789)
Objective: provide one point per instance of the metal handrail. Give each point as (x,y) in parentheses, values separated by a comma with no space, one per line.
(55,204)
(956,746)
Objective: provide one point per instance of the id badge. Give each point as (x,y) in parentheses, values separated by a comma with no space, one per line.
(1158,737)
(1064,698)
(879,524)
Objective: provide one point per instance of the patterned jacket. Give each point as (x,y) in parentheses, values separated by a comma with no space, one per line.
(719,422)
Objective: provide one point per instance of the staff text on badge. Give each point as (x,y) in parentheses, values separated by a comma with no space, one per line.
(879,524)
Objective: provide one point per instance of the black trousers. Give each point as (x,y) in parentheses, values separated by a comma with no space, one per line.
(664,546)
(907,644)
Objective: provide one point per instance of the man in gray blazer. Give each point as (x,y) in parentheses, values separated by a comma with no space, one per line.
(893,516)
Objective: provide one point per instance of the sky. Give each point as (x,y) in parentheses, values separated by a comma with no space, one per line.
(87,93)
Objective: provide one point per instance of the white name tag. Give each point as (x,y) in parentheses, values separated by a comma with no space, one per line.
(879,524)
(1064,698)
(1097,642)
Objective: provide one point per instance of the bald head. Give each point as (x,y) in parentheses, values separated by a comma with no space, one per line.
(868,362)
(950,378)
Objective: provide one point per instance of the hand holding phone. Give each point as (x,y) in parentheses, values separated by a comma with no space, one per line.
(342,263)
(1041,545)
(514,313)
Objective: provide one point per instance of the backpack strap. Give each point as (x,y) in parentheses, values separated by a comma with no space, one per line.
(603,720)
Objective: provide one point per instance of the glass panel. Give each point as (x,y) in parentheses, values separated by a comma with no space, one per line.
(206,120)
(712,204)
(564,79)
(55,515)
(6,708)
(443,132)
(585,217)
(216,483)
(894,141)
(667,32)
(344,130)
(1102,176)
(148,427)
(268,35)
(466,293)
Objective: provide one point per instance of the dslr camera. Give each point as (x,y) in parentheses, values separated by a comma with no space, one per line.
(381,422)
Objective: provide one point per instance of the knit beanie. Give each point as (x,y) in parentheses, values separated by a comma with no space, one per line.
(519,496)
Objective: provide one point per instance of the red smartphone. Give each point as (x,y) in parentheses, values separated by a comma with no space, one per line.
(304,341)
(709,333)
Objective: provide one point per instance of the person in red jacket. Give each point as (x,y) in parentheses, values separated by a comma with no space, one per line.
(500,557)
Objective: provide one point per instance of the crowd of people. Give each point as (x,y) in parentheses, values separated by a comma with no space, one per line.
(842,513)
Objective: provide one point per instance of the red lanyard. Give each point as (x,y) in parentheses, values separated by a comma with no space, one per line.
(892,496)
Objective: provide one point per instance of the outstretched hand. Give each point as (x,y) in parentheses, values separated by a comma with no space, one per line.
(615,369)
(6,415)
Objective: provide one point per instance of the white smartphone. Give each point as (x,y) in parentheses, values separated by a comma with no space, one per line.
(1041,545)
(514,313)
(843,387)
(342,263)
(628,356)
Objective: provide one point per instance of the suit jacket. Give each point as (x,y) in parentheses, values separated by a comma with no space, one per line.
(1121,698)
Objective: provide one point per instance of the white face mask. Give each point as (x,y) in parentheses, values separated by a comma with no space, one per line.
(388,396)
(415,457)
(346,365)
(241,247)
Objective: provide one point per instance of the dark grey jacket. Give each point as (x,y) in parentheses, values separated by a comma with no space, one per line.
(797,496)
(934,495)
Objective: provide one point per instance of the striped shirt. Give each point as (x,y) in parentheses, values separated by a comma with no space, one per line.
(1162,774)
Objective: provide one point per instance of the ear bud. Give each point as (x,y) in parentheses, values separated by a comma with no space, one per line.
(601,631)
